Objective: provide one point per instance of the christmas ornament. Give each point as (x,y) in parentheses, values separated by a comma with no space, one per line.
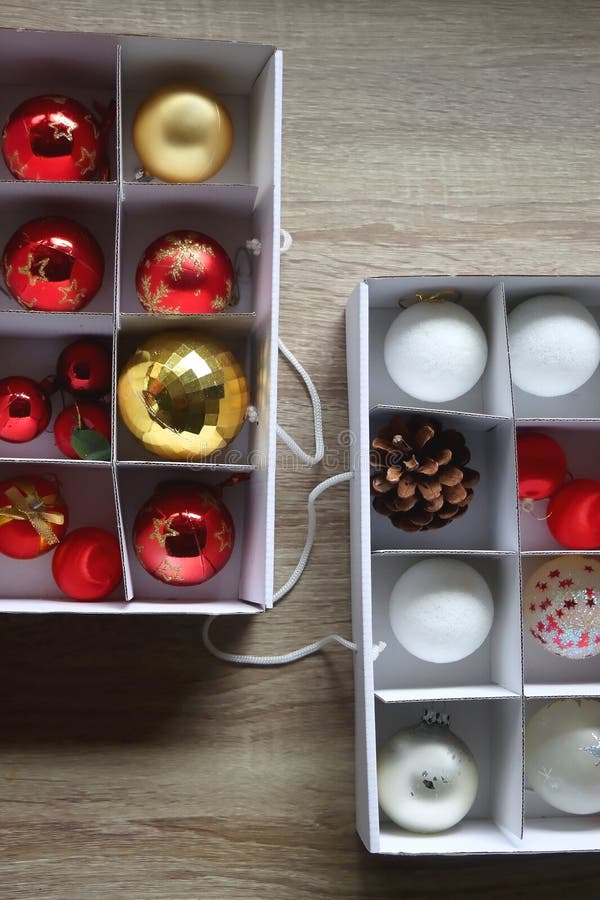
(542,465)
(182,132)
(562,755)
(183,395)
(435,351)
(427,777)
(25,409)
(554,345)
(574,515)
(53,264)
(441,610)
(561,606)
(52,138)
(184,534)
(82,431)
(85,368)
(33,516)
(422,480)
(87,565)
(185,272)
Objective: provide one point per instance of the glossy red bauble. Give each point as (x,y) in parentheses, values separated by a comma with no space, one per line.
(184,534)
(542,465)
(53,138)
(185,272)
(25,409)
(53,264)
(82,431)
(574,515)
(85,367)
(33,516)
(87,565)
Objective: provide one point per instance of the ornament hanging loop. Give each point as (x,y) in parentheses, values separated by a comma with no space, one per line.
(433,717)
(528,505)
(446,295)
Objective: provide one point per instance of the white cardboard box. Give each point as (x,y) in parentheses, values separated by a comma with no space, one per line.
(491,694)
(240,203)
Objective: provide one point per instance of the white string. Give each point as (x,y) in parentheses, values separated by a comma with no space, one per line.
(317,415)
(286,241)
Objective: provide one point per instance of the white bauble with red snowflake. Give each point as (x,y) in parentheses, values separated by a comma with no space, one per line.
(561,606)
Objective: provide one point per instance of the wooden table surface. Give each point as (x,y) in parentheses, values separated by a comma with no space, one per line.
(419,137)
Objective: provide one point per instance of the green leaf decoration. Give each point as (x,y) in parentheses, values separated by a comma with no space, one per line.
(90,444)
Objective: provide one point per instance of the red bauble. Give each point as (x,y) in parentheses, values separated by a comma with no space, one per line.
(25,409)
(85,367)
(542,465)
(184,534)
(574,515)
(53,138)
(87,565)
(185,272)
(82,431)
(53,264)
(33,516)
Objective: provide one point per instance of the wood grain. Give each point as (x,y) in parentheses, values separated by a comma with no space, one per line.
(419,137)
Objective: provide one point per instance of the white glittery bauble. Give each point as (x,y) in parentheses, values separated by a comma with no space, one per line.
(435,351)
(562,755)
(554,345)
(427,778)
(561,606)
(441,610)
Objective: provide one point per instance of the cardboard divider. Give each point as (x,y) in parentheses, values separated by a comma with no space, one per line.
(490,521)
(35,357)
(493,670)
(90,204)
(223,212)
(490,728)
(581,443)
(37,63)
(485,299)
(220,593)
(88,492)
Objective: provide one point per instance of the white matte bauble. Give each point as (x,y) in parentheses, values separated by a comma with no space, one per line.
(441,610)
(554,345)
(562,755)
(427,778)
(435,351)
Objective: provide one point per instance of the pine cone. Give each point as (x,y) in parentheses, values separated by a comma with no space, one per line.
(421,480)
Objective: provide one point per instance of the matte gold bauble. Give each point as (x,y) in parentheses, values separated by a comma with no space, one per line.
(182,132)
(183,395)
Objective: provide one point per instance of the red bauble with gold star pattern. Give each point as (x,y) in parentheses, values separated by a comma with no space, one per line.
(561,606)
(54,138)
(53,264)
(185,272)
(184,534)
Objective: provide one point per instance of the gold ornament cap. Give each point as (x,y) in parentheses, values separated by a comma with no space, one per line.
(183,395)
(182,133)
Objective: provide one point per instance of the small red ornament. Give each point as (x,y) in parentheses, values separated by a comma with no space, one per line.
(542,465)
(574,515)
(185,272)
(33,516)
(25,409)
(53,264)
(85,368)
(87,565)
(184,534)
(82,431)
(52,138)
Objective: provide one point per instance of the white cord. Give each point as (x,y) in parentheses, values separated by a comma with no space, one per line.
(318,418)
(286,241)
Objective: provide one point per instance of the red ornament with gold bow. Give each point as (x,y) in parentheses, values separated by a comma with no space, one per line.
(33,516)
(53,264)
(55,138)
(184,534)
(185,272)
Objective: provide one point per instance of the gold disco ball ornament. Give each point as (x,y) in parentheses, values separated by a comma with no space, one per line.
(183,395)
(182,132)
